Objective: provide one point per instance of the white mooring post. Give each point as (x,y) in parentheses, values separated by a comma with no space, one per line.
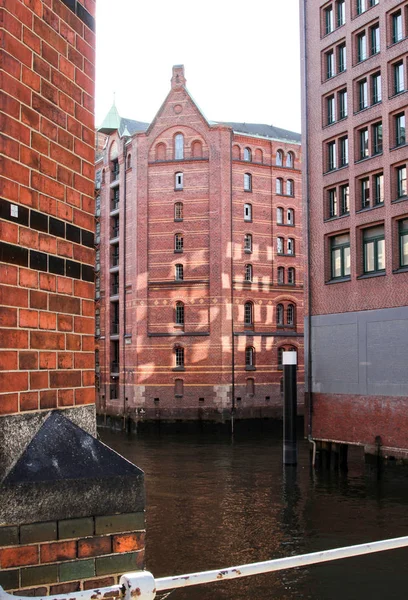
(289,362)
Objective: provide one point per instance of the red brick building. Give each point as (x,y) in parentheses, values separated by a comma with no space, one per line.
(354,112)
(200,263)
(63,526)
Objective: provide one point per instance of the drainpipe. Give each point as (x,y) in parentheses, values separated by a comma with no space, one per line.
(124,284)
(232,298)
(307,203)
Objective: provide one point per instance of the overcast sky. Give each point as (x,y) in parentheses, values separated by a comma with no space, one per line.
(241,58)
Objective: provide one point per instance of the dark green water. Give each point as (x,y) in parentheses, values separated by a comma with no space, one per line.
(213,503)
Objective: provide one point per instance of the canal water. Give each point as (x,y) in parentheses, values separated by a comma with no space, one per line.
(215,502)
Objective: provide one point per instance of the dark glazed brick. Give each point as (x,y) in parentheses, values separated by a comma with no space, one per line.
(33,592)
(88,273)
(38,221)
(73,233)
(43,574)
(85,16)
(9,580)
(65,588)
(8,536)
(6,208)
(13,254)
(70,3)
(56,265)
(73,269)
(57,227)
(119,523)
(117,563)
(88,238)
(38,532)
(74,528)
(77,569)
(38,260)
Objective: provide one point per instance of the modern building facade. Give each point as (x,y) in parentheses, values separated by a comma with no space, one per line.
(355,58)
(199,263)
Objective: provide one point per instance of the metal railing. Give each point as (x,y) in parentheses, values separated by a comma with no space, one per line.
(143,586)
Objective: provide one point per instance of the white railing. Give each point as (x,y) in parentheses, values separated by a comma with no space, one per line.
(141,585)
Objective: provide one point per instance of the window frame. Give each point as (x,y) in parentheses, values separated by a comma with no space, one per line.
(178,242)
(248,275)
(179,180)
(179,357)
(375,240)
(248,243)
(178,211)
(179,272)
(340,247)
(249,313)
(247,212)
(179,146)
(402,233)
(247,182)
(179,313)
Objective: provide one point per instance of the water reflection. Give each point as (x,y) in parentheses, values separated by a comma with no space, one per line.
(213,503)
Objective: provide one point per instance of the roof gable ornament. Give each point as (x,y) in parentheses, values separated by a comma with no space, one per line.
(178,79)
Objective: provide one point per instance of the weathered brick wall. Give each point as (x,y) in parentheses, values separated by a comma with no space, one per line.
(59,557)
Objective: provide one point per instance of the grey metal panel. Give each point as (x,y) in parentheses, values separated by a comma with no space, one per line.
(361,352)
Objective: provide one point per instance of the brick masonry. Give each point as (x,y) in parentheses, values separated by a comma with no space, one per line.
(47,258)
(148,384)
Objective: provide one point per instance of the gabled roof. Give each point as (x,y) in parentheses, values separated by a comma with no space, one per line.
(268,131)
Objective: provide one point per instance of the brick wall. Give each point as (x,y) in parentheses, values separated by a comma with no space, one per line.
(59,557)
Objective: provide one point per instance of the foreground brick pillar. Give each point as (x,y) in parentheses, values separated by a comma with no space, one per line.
(50,520)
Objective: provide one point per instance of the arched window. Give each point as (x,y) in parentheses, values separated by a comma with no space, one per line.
(160,151)
(248,272)
(279,185)
(290,314)
(248,182)
(179,313)
(290,216)
(178,181)
(290,187)
(259,156)
(289,160)
(129,161)
(179,272)
(197,149)
(178,242)
(281,275)
(236,152)
(249,313)
(291,246)
(178,211)
(247,154)
(179,146)
(179,356)
(178,388)
(279,315)
(249,356)
(247,212)
(279,158)
(279,245)
(282,349)
(250,387)
(248,242)
(279,215)
(291,276)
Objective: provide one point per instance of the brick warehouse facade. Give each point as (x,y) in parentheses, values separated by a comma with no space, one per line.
(354,110)
(174,197)
(63,524)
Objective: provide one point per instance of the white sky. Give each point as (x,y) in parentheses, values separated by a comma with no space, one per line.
(241,58)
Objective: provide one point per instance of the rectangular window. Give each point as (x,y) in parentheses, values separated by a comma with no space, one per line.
(342,99)
(399,79)
(365,192)
(341,12)
(331,110)
(330,64)
(361,6)
(344,158)
(328,20)
(331,156)
(340,256)
(396,19)
(247,182)
(403,242)
(374,249)
(362,94)
(377,138)
(399,129)
(364,150)
(376,95)
(378,181)
(375,39)
(247,212)
(401,181)
(332,194)
(361,46)
(345,199)
(341,58)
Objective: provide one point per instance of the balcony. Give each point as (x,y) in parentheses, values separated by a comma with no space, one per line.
(114,205)
(115,289)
